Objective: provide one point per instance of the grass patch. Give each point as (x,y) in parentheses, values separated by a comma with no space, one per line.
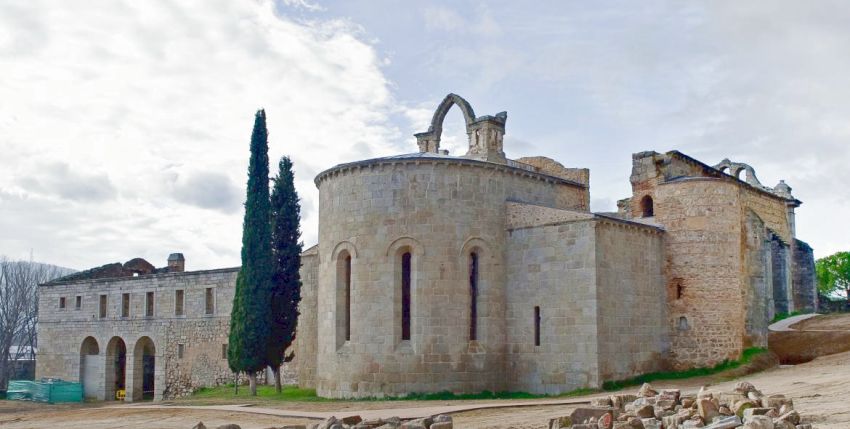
(295,394)
(288,393)
(783,316)
(746,357)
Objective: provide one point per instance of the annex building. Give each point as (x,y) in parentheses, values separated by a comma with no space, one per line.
(466,273)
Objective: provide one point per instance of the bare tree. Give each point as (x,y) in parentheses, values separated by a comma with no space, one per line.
(19,282)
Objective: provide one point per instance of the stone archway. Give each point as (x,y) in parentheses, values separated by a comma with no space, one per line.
(91,368)
(115,367)
(144,370)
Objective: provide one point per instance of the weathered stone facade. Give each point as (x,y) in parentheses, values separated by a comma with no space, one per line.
(476,272)
(136,337)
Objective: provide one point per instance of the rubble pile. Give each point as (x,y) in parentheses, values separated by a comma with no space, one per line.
(745,408)
(355,422)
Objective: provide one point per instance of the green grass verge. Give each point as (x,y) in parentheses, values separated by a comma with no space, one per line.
(289,393)
(783,316)
(746,357)
(295,394)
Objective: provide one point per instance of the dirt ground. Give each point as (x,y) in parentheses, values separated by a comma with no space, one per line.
(820,390)
(837,322)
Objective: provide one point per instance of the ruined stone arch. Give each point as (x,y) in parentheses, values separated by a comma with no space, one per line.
(735,169)
(443,108)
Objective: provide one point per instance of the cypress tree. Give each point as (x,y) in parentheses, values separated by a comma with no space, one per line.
(251,314)
(286,251)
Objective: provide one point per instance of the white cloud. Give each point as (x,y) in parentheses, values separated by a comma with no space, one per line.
(125,125)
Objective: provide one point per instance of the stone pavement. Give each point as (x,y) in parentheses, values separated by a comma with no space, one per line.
(785,324)
(404,413)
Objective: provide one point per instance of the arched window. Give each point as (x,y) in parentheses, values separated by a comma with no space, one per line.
(646,208)
(473,296)
(405,295)
(343,306)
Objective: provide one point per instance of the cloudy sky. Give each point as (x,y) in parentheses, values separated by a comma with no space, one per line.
(124,125)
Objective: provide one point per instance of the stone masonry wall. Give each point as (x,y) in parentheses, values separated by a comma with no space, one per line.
(306,341)
(703,252)
(804,278)
(62,331)
(758,282)
(552,267)
(441,210)
(632,300)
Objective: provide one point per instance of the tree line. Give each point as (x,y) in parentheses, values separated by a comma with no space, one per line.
(268,286)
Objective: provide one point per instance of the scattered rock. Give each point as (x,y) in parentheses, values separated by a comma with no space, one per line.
(200,425)
(758,422)
(647,390)
(707,409)
(229,426)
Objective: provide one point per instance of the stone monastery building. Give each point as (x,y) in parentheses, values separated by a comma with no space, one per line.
(466,273)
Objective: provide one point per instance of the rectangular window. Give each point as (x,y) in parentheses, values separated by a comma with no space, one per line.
(102,306)
(178,303)
(149,304)
(180,351)
(79,303)
(62,303)
(405,296)
(209,301)
(125,305)
(536,326)
(224,351)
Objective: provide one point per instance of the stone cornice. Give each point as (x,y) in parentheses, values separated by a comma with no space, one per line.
(443,160)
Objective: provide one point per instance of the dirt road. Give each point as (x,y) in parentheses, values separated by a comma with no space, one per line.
(820,390)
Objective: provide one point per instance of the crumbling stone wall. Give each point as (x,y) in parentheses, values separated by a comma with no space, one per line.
(779,265)
(62,331)
(805,279)
(758,287)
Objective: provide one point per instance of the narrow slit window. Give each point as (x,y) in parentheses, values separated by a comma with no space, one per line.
(348,298)
(79,302)
(102,308)
(125,305)
(536,326)
(62,303)
(473,296)
(149,304)
(180,351)
(209,301)
(178,302)
(405,296)
(679,290)
(224,351)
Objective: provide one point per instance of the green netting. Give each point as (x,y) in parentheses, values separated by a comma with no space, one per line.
(48,390)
